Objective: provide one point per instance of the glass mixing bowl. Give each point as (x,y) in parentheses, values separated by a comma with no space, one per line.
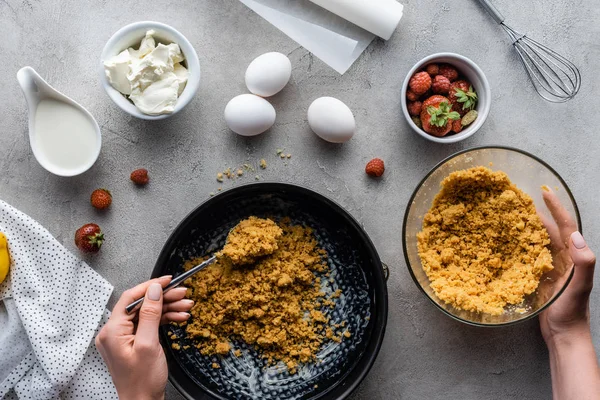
(529,173)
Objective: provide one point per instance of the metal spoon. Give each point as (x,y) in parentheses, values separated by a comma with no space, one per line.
(174,283)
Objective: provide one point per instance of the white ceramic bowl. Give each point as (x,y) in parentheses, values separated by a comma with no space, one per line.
(131,36)
(469,70)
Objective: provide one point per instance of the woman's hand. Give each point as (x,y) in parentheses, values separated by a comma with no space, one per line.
(129,343)
(566,323)
(570,313)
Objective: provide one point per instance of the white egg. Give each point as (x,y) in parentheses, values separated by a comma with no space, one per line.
(331,120)
(249,115)
(267,74)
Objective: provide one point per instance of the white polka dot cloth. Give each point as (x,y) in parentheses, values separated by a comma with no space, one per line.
(51,308)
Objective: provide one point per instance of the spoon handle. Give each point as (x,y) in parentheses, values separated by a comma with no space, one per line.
(174,283)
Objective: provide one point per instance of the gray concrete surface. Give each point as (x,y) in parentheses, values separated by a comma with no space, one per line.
(425,354)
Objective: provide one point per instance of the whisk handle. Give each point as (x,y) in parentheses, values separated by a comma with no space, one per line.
(490,8)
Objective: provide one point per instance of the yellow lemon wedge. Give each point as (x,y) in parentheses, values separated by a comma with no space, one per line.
(4,257)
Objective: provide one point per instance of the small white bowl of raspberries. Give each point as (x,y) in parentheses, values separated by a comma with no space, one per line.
(446,98)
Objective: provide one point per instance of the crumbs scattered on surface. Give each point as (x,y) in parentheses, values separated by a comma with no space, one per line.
(483,245)
(215,365)
(175,346)
(233,174)
(272,304)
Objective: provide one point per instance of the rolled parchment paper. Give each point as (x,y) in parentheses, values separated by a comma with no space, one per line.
(379,17)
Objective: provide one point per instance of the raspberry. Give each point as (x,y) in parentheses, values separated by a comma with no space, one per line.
(375,167)
(457,126)
(432,69)
(140,176)
(414,108)
(420,83)
(411,96)
(441,85)
(449,72)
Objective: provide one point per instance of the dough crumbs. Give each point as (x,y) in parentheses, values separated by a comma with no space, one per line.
(263,163)
(250,239)
(483,246)
(271,304)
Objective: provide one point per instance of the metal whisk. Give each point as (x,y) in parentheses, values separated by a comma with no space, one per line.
(554,77)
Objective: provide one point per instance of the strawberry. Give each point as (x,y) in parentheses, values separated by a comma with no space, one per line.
(457,126)
(89,238)
(420,83)
(434,101)
(414,108)
(437,116)
(140,176)
(441,85)
(452,95)
(432,69)
(449,72)
(411,96)
(101,198)
(463,97)
(375,167)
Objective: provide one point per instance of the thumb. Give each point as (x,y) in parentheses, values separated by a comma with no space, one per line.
(584,261)
(149,318)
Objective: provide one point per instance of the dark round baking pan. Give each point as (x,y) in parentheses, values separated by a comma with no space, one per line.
(355,268)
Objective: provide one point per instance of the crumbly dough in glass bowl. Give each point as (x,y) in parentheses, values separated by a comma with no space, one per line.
(483,246)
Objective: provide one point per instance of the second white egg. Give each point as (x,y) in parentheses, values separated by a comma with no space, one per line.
(267,74)
(249,115)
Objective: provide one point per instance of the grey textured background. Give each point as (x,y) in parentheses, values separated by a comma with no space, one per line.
(425,354)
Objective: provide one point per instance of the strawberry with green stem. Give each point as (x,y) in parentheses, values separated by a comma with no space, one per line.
(462,96)
(437,116)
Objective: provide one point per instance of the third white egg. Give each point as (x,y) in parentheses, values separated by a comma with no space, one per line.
(267,74)
(249,115)
(331,120)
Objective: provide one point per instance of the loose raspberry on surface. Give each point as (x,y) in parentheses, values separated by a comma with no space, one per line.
(101,199)
(441,85)
(420,83)
(140,176)
(375,167)
(414,108)
(449,72)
